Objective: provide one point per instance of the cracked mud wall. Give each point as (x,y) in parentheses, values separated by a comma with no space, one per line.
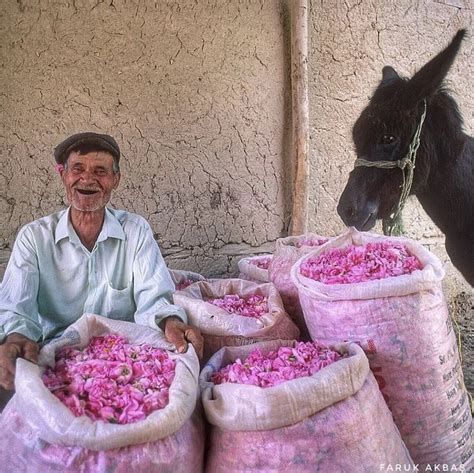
(195,92)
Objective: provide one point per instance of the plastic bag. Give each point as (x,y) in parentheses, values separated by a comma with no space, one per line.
(333,421)
(287,251)
(39,433)
(250,270)
(404,327)
(219,328)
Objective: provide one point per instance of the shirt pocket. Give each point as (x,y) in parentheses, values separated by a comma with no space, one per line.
(120,303)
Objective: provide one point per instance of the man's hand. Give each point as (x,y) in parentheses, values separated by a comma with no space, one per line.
(179,333)
(15,346)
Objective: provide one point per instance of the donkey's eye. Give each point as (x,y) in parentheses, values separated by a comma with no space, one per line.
(387,139)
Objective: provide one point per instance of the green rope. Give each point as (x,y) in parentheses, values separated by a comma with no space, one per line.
(393,224)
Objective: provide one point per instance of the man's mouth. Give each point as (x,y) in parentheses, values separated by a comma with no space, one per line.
(87,191)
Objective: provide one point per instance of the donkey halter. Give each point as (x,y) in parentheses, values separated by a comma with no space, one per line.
(392,224)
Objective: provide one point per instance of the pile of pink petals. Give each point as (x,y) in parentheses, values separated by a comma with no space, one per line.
(184,284)
(248,306)
(360,263)
(112,380)
(262,263)
(309,242)
(277,367)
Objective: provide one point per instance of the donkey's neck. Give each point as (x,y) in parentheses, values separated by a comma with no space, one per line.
(447,160)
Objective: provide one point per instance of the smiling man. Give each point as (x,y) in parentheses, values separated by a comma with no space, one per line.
(86,259)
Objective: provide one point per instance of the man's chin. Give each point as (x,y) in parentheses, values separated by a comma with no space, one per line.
(92,207)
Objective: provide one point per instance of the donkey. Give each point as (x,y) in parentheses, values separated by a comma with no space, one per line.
(443,180)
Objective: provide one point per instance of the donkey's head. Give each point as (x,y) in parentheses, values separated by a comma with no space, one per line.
(383,133)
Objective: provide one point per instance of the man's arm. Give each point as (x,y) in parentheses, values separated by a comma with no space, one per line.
(153,289)
(19,325)
(19,290)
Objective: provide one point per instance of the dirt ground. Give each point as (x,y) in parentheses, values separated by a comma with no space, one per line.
(462,312)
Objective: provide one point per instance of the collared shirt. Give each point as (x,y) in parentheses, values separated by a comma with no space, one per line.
(52,278)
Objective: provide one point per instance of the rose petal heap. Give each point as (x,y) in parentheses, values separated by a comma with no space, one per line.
(112,380)
(277,367)
(248,306)
(360,263)
(309,242)
(262,263)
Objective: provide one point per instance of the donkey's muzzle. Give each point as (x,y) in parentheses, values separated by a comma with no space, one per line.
(358,213)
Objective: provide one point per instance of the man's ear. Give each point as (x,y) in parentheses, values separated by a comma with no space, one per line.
(117,179)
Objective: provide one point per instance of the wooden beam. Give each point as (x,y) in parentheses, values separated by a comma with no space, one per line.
(300,114)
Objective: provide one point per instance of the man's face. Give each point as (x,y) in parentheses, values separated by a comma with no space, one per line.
(89,180)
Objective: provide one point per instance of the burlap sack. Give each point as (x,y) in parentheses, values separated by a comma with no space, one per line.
(39,433)
(181,276)
(250,271)
(333,421)
(287,252)
(404,327)
(220,328)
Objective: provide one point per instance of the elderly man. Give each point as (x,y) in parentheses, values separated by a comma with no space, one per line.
(87,258)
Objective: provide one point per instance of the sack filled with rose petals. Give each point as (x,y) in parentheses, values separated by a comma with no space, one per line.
(255,268)
(287,251)
(231,312)
(296,407)
(385,293)
(122,428)
(183,278)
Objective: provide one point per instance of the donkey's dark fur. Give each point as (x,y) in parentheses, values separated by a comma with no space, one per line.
(444,174)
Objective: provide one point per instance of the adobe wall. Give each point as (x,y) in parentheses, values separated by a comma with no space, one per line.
(197,94)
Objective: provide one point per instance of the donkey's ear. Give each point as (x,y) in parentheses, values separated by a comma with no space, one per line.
(430,77)
(389,74)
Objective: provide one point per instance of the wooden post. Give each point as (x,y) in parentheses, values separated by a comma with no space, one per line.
(300,114)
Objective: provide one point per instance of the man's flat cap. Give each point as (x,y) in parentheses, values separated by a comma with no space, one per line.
(89,138)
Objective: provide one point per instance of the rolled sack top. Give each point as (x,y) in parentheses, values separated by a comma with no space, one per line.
(421,280)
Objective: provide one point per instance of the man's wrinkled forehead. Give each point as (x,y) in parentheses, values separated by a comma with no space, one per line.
(93,158)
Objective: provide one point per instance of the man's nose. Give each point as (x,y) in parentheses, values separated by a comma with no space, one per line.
(87,175)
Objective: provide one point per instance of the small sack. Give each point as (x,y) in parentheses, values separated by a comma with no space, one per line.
(255,268)
(39,433)
(220,328)
(287,251)
(183,278)
(404,327)
(334,420)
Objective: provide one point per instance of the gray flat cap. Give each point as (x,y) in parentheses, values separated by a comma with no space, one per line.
(103,142)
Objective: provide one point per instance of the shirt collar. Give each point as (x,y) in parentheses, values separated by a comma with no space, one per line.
(111,228)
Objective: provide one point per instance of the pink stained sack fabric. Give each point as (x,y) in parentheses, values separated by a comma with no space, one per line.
(183,278)
(333,421)
(219,328)
(35,421)
(403,325)
(250,271)
(287,251)
(22,450)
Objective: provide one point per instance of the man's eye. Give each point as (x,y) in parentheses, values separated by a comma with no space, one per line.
(387,139)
